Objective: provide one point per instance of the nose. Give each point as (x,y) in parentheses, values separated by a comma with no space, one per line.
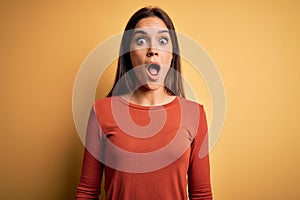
(152,52)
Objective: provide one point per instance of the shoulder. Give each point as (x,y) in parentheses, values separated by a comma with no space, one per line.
(189,104)
(191,112)
(102,105)
(102,102)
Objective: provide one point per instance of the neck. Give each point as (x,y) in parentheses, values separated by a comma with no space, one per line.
(146,97)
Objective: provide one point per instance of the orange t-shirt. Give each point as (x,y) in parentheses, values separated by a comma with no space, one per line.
(146,152)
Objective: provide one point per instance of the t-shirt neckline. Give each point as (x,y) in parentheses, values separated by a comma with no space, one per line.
(141,107)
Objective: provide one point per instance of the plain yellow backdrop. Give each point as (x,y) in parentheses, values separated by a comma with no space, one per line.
(255,45)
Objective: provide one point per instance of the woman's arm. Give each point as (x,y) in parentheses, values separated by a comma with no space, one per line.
(199,170)
(92,169)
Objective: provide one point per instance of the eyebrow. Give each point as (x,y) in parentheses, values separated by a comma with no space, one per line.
(163,31)
(145,33)
(140,31)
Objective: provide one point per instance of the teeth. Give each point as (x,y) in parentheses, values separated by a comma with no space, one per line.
(153,69)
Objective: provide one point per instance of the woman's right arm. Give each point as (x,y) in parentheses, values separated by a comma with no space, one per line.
(92,169)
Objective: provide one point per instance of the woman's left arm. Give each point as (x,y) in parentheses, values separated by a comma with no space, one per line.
(199,186)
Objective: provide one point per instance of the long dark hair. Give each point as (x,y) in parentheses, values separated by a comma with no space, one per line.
(173,81)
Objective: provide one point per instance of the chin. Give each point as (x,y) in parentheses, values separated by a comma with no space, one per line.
(153,86)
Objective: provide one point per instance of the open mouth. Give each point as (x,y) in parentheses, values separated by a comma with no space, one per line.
(153,69)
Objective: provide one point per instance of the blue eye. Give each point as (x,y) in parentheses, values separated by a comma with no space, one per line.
(163,41)
(140,41)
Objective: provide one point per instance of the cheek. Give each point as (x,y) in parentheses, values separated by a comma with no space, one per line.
(136,58)
(168,59)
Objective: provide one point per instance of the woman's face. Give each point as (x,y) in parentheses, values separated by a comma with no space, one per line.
(151,52)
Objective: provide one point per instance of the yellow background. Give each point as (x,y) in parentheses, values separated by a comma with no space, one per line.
(255,45)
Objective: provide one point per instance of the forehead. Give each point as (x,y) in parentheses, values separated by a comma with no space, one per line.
(151,22)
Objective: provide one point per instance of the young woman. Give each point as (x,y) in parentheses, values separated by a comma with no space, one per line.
(145,136)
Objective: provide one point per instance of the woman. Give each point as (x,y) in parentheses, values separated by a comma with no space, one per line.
(145,136)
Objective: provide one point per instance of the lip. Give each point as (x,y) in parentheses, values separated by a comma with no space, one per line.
(151,76)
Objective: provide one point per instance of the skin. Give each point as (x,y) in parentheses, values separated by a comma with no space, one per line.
(151,43)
